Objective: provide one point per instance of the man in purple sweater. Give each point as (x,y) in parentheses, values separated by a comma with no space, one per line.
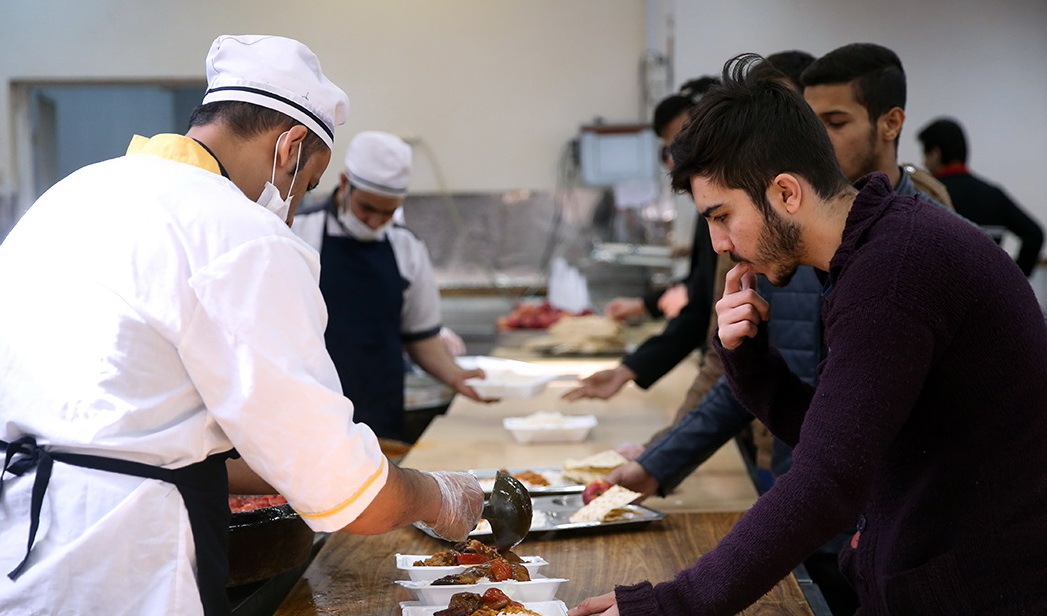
(928,427)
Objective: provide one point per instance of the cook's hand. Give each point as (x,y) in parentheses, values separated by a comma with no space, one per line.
(604,605)
(461,504)
(623,308)
(602,384)
(634,477)
(673,300)
(741,309)
(466,390)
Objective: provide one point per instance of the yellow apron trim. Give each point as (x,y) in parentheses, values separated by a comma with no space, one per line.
(351,499)
(178,148)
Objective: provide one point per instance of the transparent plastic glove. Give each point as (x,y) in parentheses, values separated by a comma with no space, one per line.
(461,503)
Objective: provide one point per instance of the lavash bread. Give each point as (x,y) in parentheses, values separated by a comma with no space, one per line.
(606,507)
(581,335)
(591,468)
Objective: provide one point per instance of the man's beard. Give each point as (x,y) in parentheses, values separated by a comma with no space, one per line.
(869,162)
(780,243)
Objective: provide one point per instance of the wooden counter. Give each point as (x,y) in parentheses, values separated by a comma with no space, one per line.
(355,574)
(471,435)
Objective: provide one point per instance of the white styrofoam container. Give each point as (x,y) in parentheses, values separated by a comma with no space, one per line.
(507,378)
(405,562)
(545,608)
(572,429)
(510,385)
(538,589)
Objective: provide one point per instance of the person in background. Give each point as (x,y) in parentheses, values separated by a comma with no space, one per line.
(694,436)
(945,155)
(859,92)
(688,305)
(669,117)
(378,283)
(710,413)
(904,431)
(162,318)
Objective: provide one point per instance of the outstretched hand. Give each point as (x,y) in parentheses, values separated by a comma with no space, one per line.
(604,605)
(741,309)
(602,384)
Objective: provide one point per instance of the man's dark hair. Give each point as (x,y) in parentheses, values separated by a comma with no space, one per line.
(947,135)
(875,72)
(748,130)
(792,64)
(247,120)
(684,99)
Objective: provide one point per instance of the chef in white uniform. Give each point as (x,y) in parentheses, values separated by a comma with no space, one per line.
(158,313)
(378,283)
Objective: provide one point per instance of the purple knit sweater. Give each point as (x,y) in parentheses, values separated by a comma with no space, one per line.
(928,429)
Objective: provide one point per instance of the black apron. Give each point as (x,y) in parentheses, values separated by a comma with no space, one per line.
(204,487)
(364,292)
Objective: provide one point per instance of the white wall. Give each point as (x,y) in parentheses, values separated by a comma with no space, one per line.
(492,88)
(984,63)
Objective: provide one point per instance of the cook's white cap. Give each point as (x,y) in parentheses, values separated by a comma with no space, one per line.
(379,163)
(277,73)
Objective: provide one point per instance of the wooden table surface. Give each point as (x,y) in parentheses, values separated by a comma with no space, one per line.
(471,435)
(355,574)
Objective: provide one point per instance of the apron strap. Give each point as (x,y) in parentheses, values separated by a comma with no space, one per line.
(33,457)
(197,483)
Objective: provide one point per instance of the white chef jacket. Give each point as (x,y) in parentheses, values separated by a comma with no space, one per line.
(421,316)
(152,312)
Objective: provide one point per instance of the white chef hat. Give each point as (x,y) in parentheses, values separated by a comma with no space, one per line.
(277,73)
(379,163)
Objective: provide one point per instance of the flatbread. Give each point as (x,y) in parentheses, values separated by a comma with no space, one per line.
(605,507)
(582,335)
(591,468)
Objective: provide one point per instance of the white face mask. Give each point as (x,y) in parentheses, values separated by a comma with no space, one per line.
(360,230)
(270,198)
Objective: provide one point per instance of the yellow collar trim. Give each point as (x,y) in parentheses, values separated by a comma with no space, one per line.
(178,148)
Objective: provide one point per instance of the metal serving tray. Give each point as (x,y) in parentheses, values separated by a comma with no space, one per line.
(553,474)
(554,513)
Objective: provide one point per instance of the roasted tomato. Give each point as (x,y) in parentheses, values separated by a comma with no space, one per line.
(500,570)
(495,599)
(470,558)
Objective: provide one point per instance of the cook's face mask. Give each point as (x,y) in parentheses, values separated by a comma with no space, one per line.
(270,197)
(358,228)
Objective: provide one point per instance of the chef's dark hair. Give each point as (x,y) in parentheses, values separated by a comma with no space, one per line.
(247,120)
(875,72)
(684,99)
(945,134)
(749,129)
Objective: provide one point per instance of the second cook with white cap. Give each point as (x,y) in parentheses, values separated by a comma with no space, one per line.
(378,282)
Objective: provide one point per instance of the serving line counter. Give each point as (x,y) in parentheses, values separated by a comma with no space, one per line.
(355,574)
(470,435)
